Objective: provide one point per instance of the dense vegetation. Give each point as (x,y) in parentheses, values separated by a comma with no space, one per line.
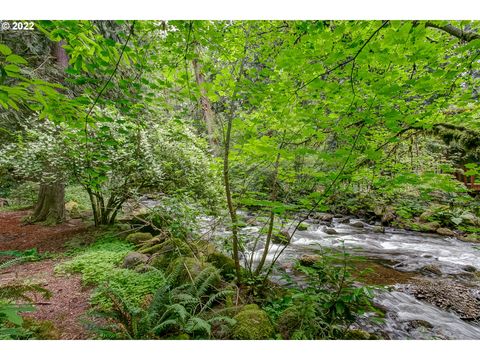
(285,120)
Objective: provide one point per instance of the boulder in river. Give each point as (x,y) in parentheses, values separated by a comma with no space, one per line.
(329,230)
(378,229)
(445,232)
(357,224)
(430,269)
(282,237)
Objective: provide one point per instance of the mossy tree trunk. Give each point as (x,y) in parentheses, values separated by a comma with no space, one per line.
(50,205)
(105,212)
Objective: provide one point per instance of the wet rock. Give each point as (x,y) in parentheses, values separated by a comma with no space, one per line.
(378,229)
(445,232)
(420,323)
(329,231)
(308,260)
(447,295)
(430,269)
(357,224)
(134,259)
(344,220)
(302,226)
(469,268)
(322,217)
(282,237)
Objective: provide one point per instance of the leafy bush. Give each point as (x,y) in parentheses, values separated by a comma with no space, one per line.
(176,215)
(326,305)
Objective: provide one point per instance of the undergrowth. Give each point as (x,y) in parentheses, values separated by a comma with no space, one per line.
(100,264)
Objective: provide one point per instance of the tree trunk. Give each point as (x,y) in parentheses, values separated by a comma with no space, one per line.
(208,114)
(50,205)
(51,197)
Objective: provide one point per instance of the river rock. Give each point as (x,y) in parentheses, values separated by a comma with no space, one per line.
(378,229)
(282,237)
(322,217)
(469,268)
(445,232)
(447,295)
(308,260)
(430,269)
(357,224)
(133,259)
(329,231)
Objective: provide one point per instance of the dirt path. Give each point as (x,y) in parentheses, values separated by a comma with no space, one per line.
(16,236)
(69,301)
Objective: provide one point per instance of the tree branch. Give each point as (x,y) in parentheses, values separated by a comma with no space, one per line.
(454,31)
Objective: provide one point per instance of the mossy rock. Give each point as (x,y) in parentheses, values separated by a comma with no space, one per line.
(445,232)
(139,237)
(204,248)
(302,227)
(73,209)
(165,252)
(252,323)
(288,322)
(282,237)
(224,263)
(309,260)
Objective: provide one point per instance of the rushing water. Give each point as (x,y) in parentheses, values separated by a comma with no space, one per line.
(406,316)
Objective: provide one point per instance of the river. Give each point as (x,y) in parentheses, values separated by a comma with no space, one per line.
(437,294)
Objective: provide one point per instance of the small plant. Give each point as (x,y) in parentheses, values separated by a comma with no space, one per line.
(11,320)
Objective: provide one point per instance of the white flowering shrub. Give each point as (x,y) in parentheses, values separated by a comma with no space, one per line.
(114,159)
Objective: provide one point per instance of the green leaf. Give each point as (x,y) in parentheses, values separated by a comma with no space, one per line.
(16,59)
(5,50)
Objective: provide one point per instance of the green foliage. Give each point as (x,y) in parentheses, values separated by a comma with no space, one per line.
(99,265)
(252,323)
(11,321)
(326,305)
(174,310)
(12,257)
(177,215)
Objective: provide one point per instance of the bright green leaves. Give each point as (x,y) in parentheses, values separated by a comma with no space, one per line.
(5,50)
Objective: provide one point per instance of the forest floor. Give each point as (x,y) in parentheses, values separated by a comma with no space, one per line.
(69,299)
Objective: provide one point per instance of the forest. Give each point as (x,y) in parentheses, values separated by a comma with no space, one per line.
(240,180)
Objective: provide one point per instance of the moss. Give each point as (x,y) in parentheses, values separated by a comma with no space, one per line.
(252,323)
(282,237)
(303,227)
(224,263)
(204,248)
(288,322)
(41,330)
(139,237)
(167,251)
